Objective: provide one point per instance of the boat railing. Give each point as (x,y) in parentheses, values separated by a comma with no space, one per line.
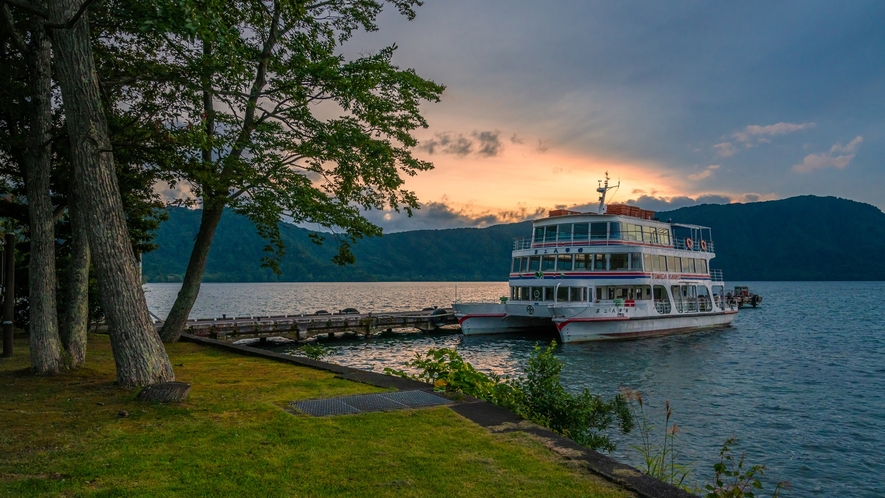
(523,243)
(663,306)
(529,243)
(696,245)
(716,276)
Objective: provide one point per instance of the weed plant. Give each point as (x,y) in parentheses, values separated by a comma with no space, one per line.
(734,480)
(661,455)
(316,351)
(659,461)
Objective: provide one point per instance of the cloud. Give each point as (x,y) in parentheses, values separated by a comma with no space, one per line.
(838,157)
(485,143)
(704,174)
(763,133)
(543,146)
(440,215)
(725,149)
(516,139)
(670,203)
(753,135)
(489,144)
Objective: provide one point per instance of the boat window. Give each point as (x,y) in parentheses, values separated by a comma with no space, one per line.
(701,266)
(704,302)
(562,294)
(576,294)
(599,261)
(614,232)
(580,232)
(565,233)
(598,230)
(719,295)
(658,263)
(548,262)
(539,235)
(631,232)
(609,292)
(515,267)
(526,293)
(664,236)
(674,264)
(650,235)
(688,265)
(582,261)
(534,263)
(618,262)
(548,293)
(662,299)
(550,233)
(537,293)
(647,264)
(689,298)
(635,261)
(677,298)
(514,293)
(564,262)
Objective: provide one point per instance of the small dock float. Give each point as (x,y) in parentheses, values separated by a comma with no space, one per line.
(306,326)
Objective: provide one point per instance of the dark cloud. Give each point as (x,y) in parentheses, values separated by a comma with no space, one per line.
(489,144)
(543,146)
(448,143)
(515,139)
(485,143)
(439,215)
(667,204)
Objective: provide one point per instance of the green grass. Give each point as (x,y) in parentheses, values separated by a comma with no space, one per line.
(62,436)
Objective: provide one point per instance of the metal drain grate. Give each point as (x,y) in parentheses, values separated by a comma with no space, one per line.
(347,405)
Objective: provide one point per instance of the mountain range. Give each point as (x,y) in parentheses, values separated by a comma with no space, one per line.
(800,238)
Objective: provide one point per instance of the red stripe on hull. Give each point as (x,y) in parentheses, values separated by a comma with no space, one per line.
(489,315)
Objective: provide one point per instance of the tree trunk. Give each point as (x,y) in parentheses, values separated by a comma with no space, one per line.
(138,352)
(76,314)
(45,344)
(190,288)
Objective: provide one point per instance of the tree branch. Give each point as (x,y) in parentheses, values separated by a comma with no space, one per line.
(13,34)
(70,23)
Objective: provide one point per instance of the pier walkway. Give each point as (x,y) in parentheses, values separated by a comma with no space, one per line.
(300,327)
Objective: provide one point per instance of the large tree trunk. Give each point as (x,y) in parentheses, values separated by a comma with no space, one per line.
(76,314)
(45,344)
(190,288)
(138,352)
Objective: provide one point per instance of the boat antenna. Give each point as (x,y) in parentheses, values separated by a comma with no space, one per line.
(603,189)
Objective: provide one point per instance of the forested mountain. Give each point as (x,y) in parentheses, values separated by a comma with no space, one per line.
(801,238)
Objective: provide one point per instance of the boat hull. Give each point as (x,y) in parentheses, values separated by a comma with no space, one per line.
(482,318)
(577,329)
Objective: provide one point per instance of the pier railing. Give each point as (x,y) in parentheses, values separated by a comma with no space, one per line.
(300,327)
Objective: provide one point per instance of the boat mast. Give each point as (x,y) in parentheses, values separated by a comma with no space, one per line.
(603,189)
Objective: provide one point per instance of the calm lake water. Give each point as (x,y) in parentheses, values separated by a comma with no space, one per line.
(799,381)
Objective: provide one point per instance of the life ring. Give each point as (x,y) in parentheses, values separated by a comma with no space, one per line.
(703,245)
(689,244)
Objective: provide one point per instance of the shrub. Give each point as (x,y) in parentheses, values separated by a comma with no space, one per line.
(539,396)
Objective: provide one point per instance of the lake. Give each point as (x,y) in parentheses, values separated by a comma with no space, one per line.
(800,381)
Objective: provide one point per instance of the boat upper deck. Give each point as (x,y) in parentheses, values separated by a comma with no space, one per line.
(568,228)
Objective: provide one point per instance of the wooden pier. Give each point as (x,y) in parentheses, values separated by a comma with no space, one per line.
(300,327)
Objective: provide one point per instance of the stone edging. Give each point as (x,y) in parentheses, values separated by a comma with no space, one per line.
(488,415)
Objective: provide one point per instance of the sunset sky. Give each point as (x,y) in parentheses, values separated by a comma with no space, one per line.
(683,102)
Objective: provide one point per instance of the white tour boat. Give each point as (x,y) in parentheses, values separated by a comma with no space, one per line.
(618,273)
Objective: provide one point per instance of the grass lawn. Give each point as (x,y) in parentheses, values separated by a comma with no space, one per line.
(64,436)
